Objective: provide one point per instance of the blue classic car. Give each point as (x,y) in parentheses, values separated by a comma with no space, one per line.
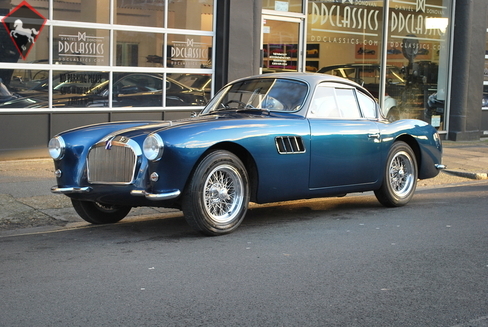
(266,138)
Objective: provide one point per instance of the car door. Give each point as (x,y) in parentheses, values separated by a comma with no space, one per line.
(344,144)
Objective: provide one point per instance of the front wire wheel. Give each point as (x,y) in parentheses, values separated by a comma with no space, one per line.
(216,200)
(400,176)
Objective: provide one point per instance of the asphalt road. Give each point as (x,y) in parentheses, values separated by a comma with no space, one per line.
(324,262)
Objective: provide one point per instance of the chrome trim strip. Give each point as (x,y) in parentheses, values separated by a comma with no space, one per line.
(440,167)
(65,190)
(156,196)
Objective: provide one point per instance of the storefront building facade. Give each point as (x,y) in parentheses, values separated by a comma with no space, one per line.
(65,64)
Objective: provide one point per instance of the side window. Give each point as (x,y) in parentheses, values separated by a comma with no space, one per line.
(348,106)
(324,104)
(368,106)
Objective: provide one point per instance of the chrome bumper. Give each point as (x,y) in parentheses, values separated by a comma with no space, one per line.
(67,190)
(147,195)
(156,196)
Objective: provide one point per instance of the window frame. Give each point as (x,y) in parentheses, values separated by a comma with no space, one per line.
(110,66)
(335,86)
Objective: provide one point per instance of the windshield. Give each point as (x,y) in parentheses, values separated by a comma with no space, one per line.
(263,93)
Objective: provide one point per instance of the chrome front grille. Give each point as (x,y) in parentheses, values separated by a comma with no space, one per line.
(112,162)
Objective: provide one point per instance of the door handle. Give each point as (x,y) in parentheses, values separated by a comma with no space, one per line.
(374,135)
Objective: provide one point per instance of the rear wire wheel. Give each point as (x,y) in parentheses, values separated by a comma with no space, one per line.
(217,197)
(400,176)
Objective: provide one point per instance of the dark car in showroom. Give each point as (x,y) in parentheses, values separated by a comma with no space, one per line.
(265,138)
(129,90)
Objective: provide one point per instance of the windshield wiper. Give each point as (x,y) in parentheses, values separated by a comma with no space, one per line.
(250,108)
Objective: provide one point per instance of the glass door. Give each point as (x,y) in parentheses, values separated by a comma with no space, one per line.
(281,44)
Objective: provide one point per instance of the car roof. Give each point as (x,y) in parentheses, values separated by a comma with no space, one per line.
(309,78)
(325,68)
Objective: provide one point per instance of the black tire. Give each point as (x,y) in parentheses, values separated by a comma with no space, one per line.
(400,176)
(98,213)
(217,196)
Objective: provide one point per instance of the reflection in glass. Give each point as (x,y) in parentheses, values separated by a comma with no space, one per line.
(137,90)
(140,12)
(25,89)
(147,89)
(90,11)
(43,10)
(287,6)
(80,89)
(26,79)
(198,84)
(69,89)
(344,39)
(138,49)
(280,46)
(191,14)
(30,89)
(423,55)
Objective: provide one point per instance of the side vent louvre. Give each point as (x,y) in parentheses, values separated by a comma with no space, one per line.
(289,144)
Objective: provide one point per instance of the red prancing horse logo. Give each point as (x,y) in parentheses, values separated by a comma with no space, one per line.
(24,24)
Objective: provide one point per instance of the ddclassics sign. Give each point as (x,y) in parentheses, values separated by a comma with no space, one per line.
(81,48)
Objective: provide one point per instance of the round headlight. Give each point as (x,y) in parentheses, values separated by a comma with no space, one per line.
(56,147)
(153,147)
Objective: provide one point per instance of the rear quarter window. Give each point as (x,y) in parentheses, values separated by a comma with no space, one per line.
(368,106)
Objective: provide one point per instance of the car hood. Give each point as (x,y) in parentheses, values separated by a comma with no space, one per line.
(134,129)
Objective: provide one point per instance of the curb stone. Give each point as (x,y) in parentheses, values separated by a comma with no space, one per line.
(465,174)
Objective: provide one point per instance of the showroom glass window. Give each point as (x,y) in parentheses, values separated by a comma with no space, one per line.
(418,43)
(484,103)
(147,54)
(345,38)
(295,6)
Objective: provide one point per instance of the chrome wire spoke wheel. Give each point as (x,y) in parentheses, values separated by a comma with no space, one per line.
(223,193)
(401,174)
(217,197)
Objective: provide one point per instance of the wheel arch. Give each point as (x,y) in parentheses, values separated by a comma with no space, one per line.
(413,144)
(243,154)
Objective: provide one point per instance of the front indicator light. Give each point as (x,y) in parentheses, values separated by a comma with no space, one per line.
(56,147)
(154,177)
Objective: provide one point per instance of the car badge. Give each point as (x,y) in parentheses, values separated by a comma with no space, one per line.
(108,144)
